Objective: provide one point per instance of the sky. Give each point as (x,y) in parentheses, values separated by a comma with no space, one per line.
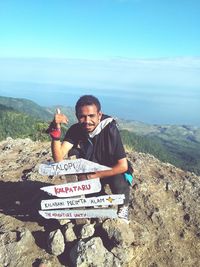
(146,48)
(94,29)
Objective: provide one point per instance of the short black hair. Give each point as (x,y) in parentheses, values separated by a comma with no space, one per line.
(86,100)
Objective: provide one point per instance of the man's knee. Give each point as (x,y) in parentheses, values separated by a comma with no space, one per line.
(119,184)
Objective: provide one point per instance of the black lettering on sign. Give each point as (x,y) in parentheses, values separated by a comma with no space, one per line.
(54,204)
(97,201)
(82,215)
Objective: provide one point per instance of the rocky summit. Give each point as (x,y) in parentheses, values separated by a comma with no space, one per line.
(164,227)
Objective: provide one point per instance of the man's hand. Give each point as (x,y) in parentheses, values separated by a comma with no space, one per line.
(55,125)
(60,118)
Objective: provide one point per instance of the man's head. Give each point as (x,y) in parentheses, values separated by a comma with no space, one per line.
(88,112)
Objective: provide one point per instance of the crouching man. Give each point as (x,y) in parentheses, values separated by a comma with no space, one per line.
(96,138)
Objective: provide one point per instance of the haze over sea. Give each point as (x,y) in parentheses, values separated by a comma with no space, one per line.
(149,105)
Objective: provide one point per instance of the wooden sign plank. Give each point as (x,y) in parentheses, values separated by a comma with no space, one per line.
(76,214)
(73,166)
(104,200)
(74,189)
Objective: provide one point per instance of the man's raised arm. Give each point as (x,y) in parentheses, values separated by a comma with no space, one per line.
(59,150)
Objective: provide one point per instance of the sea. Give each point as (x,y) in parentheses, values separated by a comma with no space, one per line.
(149,105)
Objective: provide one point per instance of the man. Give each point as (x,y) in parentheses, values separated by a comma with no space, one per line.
(95,137)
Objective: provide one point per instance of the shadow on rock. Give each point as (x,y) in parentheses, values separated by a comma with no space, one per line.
(22,199)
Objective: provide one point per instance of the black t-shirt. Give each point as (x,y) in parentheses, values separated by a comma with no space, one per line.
(104,148)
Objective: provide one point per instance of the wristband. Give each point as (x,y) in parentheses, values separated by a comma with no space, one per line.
(55,133)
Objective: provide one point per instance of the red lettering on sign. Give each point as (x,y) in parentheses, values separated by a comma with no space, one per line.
(71,189)
(83,187)
(56,190)
(80,188)
(88,186)
(66,189)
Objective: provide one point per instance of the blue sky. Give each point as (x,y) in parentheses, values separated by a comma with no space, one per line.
(149,49)
(99,28)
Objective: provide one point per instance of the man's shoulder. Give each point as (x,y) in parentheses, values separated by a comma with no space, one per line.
(110,130)
(112,124)
(110,120)
(74,129)
(75,126)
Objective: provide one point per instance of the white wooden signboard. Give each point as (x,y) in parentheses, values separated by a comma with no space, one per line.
(74,189)
(78,214)
(75,166)
(104,200)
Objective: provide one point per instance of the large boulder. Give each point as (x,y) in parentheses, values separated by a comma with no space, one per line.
(87,230)
(119,232)
(56,242)
(14,246)
(92,253)
(68,232)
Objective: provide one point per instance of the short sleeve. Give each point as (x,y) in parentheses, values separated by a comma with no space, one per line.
(71,135)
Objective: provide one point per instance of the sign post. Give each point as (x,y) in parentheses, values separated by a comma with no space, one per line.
(70,204)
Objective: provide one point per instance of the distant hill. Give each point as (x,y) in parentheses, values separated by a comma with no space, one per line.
(181,143)
(16,124)
(26,106)
(185,132)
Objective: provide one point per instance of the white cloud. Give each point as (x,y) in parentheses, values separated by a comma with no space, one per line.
(118,73)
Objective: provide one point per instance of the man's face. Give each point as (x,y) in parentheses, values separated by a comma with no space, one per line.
(89,117)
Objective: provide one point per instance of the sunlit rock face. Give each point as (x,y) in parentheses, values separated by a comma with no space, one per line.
(164,216)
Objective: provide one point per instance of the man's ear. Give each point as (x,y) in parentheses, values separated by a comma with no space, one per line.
(100,115)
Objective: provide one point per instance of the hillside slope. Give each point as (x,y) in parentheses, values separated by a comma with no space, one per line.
(16,124)
(26,106)
(164,213)
(180,143)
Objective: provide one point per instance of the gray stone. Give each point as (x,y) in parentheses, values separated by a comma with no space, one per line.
(69,232)
(125,255)
(87,230)
(56,242)
(92,254)
(64,221)
(14,245)
(119,232)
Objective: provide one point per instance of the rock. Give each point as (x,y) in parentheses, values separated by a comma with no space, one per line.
(119,232)
(69,232)
(164,213)
(44,263)
(25,239)
(15,245)
(47,261)
(125,255)
(56,242)
(64,221)
(92,254)
(87,230)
